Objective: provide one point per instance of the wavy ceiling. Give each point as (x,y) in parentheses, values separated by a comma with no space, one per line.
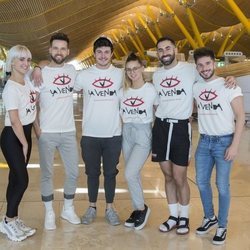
(133,25)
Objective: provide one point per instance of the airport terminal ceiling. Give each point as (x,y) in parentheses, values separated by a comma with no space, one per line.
(133,25)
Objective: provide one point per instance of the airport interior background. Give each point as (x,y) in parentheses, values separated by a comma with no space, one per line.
(222,25)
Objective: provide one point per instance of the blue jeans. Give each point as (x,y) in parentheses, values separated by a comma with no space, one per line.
(210,151)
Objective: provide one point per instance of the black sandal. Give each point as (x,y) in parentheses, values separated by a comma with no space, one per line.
(183,228)
(167,226)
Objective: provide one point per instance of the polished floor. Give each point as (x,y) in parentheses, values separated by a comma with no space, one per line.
(100,235)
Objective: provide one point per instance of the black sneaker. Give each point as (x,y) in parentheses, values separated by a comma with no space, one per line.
(220,236)
(130,222)
(141,218)
(207,225)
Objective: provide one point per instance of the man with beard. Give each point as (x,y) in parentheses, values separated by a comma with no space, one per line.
(55,129)
(219,140)
(172,131)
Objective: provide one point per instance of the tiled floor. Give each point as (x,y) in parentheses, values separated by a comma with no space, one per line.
(100,235)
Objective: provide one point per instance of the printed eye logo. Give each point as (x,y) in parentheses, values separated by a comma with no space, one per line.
(133,102)
(207,95)
(169,82)
(102,83)
(62,80)
(32,96)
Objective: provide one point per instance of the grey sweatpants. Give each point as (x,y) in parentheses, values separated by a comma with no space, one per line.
(136,146)
(66,144)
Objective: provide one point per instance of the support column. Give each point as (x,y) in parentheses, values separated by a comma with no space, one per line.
(222,48)
(230,46)
(150,33)
(157,28)
(180,25)
(237,11)
(194,27)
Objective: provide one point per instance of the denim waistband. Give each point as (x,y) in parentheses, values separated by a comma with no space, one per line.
(215,137)
(170,120)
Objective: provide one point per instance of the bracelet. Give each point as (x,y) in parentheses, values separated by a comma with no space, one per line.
(37,66)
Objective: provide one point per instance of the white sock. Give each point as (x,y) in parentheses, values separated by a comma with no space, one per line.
(48,206)
(68,203)
(184,211)
(173,209)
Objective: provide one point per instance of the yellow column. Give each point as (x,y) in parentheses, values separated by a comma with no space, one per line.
(237,11)
(230,46)
(120,45)
(222,48)
(137,41)
(116,55)
(3,53)
(194,27)
(207,38)
(135,35)
(137,46)
(85,62)
(151,35)
(125,46)
(180,25)
(157,28)
(182,45)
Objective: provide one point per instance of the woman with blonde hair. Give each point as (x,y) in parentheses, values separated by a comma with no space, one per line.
(138,99)
(19,98)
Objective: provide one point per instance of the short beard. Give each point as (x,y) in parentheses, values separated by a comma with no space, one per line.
(207,77)
(58,61)
(166,63)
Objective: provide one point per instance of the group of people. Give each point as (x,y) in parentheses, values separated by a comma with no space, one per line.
(110,98)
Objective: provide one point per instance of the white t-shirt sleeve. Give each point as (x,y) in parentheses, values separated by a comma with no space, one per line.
(11,98)
(120,93)
(78,82)
(233,93)
(156,100)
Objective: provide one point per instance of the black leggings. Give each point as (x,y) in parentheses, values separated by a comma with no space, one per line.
(18,174)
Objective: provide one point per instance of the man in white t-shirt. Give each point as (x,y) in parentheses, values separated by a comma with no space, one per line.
(219,140)
(172,131)
(55,129)
(171,142)
(101,128)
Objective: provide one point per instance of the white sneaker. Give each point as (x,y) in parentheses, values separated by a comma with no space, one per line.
(12,230)
(70,215)
(26,229)
(2,230)
(50,219)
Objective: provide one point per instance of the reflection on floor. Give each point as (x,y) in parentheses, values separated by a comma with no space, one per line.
(100,235)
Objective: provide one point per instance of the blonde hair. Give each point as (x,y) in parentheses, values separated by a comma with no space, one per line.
(16,51)
(131,57)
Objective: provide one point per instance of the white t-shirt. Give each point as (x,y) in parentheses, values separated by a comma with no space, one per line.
(20,97)
(101,101)
(215,114)
(174,88)
(136,105)
(56,99)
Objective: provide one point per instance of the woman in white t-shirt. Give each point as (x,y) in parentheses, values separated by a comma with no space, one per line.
(19,98)
(137,100)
